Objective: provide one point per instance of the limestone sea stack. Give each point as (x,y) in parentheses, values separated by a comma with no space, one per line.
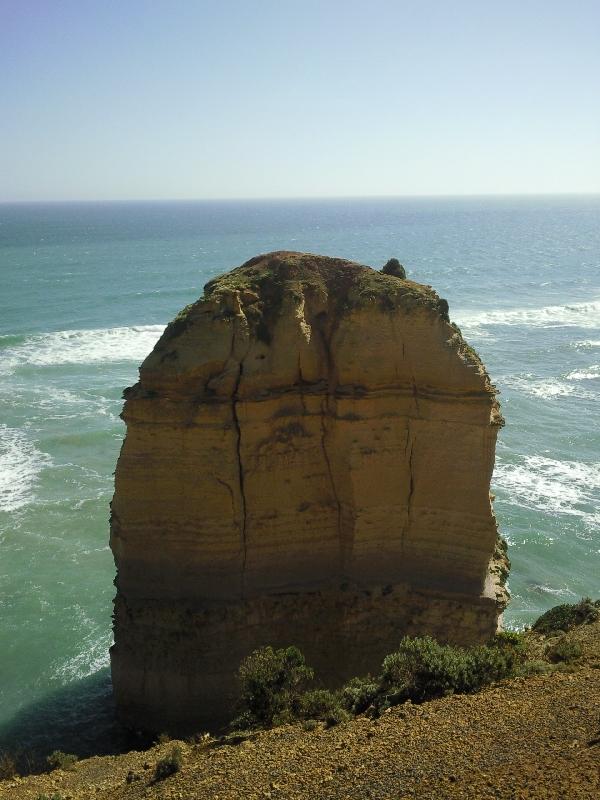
(307,461)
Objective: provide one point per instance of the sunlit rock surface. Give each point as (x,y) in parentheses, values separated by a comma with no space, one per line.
(307,461)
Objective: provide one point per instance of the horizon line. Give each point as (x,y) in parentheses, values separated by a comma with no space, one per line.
(288,198)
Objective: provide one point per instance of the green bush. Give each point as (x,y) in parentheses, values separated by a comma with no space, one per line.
(565,651)
(271,682)
(60,760)
(55,796)
(567,616)
(422,669)
(509,640)
(323,705)
(168,765)
(394,267)
(359,694)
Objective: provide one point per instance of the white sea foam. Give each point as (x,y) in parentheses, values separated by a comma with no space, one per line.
(585,374)
(92,657)
(546,484)
(20,465)
(82,347)
(587,344)
(580,315)
(546,388)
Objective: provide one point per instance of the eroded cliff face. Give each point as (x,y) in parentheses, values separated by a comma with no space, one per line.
(307,461)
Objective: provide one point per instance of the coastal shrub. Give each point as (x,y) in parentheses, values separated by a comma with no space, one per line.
(271,683)
(567,616)
(509,640)
(168,765)
(55,796)
(8,766)
(564,651)
(60,760)
(422,669)
(359,694)
(394,267)
(322,705)
(489,664)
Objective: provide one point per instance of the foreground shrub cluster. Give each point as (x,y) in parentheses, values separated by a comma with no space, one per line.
(568,616)
(274,684)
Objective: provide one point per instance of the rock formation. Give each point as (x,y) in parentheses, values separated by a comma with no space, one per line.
(307,461)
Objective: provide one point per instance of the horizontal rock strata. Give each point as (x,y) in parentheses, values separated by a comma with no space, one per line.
(307,461)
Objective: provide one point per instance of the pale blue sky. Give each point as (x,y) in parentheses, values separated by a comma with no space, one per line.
(278,98)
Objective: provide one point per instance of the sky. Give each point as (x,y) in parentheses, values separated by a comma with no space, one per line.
(160,99)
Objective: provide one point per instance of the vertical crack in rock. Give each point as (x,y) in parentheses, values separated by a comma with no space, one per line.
(238,431)
(326,417)
(408,458)
(411,475)
(238,444)
(230,490)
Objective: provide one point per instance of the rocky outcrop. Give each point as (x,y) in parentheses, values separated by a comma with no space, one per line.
(307,461)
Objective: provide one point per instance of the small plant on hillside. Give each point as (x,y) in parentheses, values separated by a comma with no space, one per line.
(168,765)
(60,760)
(55,796)
(565,651)
(8,766)
(395,268)
(271,682)
(509,640)
(422,669)
(567,616)
(322,705)
(359,694)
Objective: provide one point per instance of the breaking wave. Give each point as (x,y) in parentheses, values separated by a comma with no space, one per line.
(591,373)
(547,388)
(20,465)
(80,347)
(546,484)
(579,315)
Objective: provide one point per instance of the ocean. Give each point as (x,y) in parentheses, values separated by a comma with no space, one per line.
(86,290)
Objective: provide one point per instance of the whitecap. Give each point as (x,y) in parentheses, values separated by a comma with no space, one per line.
(546,388)
(82,347)
(543,589)
(580,315)
(550,485)
(20,465)
(92,658)
(585,374)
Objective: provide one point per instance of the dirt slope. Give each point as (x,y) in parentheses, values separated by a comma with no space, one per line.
(536,737)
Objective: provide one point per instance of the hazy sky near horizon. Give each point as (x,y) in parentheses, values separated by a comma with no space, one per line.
(152,99)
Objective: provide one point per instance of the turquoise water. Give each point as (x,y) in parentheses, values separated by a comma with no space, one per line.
(85,291)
